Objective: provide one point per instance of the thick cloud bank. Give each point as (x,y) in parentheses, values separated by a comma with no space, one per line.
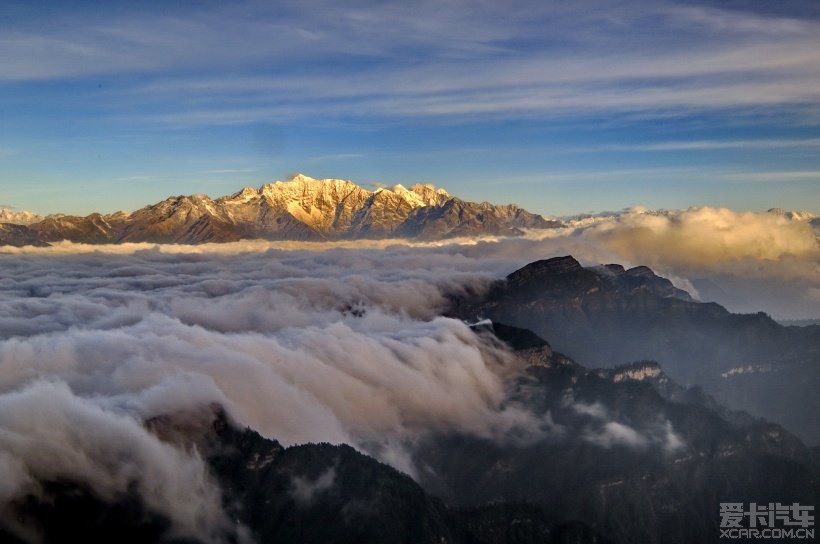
(47,433)
(305,342)
(340,346)
(702,239)
(746,261)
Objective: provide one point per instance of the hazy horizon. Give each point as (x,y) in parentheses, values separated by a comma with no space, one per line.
(373,185)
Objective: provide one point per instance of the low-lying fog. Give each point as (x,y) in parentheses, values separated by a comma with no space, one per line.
(309,342)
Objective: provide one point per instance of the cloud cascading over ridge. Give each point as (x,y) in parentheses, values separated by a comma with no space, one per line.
(304,342)
(288,343)
(48,433)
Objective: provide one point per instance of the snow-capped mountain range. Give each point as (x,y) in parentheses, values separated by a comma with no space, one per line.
(8,215)
(302,208)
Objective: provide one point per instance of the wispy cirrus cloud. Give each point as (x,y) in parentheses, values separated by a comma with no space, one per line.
(231,171)
(705,145)
(337,157)
(429,59)
(786,176)
(680,83)
(413,83)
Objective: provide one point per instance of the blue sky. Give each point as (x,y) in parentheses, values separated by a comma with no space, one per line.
(563,107)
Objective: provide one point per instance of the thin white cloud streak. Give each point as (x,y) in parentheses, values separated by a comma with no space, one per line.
(705,145)
(305,490)
(782,177)
(337,157)
(605,432)
(593,61)
(670,175)
(572,100)
(536,71)
(244,246)
(85,44)
(738,22)
(617,434)
(675,98)
(231,171)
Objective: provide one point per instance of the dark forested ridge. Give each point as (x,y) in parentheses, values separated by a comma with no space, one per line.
(604,316)
(620,454)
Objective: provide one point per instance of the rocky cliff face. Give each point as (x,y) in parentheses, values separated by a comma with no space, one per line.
(18,235)
(611,455)
(607,315)
(626,450)
(302,208)
(92,229)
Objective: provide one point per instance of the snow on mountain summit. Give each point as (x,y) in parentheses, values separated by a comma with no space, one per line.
(8,215)
(794,215)
(300,208)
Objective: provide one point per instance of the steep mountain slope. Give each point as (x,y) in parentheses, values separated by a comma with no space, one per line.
(302,208)
(625,453)
(458,218)
(19,235)
(324,493)
(92,229)
(606,315)
(635,456)
(312,493)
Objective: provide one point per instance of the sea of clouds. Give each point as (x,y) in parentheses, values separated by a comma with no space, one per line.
(340,342)
(340,345)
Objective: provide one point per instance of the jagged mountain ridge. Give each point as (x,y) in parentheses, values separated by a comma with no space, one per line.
(22,217)
(605,315)
(308,493)
(302,208)
(18,235)
(574,481)
(662,457)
